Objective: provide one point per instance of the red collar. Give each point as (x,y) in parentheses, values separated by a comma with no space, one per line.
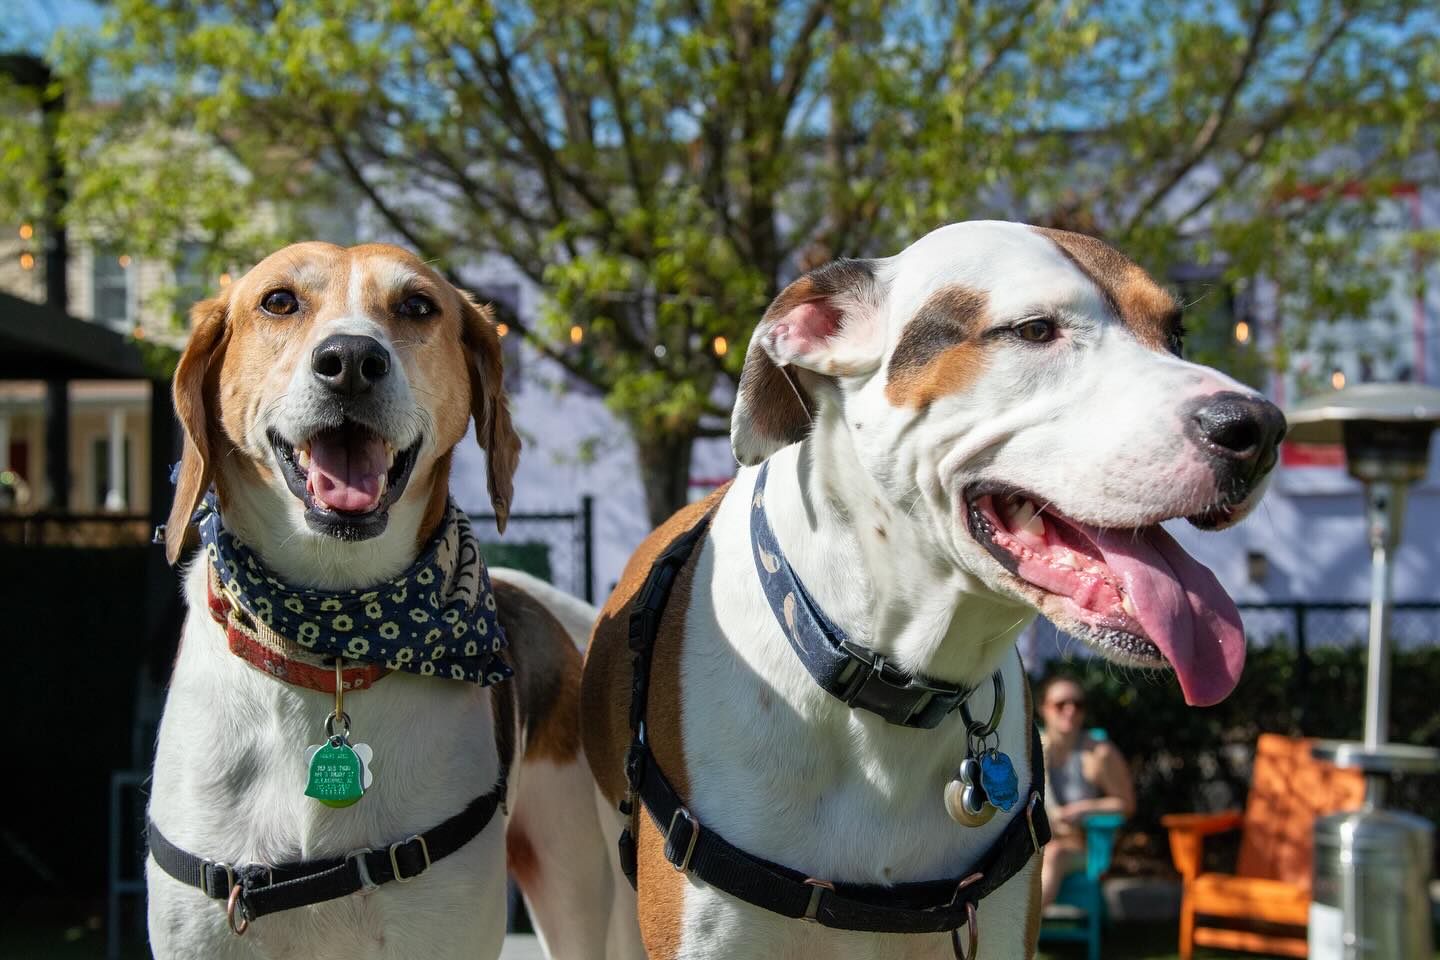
(258,646)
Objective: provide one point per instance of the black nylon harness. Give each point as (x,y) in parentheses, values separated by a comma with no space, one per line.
(255,889)
(266,889)
(926,907)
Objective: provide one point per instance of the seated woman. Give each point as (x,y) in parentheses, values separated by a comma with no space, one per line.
(1083,775)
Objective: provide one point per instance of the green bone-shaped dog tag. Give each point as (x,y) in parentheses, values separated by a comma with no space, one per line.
(339,773)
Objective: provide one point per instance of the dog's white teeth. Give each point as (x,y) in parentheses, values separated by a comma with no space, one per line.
(1129,605)
(302,457)
(384,482)
(1066,559)
(1034,524)
(1021,513)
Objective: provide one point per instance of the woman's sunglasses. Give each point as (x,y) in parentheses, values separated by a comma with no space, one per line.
(1062,704)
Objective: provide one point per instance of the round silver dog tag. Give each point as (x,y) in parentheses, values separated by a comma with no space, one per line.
(965,797)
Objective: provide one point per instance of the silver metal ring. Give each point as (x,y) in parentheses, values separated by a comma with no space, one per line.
(330,725)
(997,711)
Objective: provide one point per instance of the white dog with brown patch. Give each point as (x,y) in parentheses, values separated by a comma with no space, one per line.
(831,724)
(322,394)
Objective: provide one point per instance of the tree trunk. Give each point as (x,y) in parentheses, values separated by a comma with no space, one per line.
(665,471)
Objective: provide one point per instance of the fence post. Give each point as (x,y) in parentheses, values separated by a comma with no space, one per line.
(587,546)
(1302,665)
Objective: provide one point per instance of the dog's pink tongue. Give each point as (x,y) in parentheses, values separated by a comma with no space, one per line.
(1182,607)
(346,467)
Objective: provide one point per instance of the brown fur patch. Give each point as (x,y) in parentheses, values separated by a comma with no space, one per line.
(605,687)
(195,388)
(520,858)
(661,901)
(547,675)
(605,710)
(775,406)
(1137,301)
(940,351)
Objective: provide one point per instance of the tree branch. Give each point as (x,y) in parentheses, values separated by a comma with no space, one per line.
(1209,132)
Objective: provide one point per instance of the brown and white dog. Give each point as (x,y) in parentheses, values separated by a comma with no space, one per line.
(369,354)
(992,423)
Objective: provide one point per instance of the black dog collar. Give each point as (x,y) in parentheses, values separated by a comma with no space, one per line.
(851,672)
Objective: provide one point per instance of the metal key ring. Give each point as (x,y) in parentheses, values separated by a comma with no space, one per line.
(976,730)
(330,725)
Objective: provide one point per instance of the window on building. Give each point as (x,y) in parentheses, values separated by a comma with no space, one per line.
(110,274)
(1221,325)
(192,283)
(506,298)
(100,470)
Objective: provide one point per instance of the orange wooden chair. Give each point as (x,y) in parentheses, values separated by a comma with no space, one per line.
(1270,889)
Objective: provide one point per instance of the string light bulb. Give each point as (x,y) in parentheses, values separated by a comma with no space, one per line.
(1242,332)
(27,261)
(722,346)
(124,261)
(225,279)
(576,334)
(1337,379)
(26,231)
(502,328)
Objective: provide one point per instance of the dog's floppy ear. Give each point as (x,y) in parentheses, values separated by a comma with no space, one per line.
(209,334)
(827,322)
(490,408)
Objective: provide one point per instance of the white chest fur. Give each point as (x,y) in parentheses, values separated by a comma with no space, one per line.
(229,784)
(788,773)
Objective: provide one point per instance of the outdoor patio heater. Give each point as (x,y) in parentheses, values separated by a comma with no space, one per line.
(1370,897)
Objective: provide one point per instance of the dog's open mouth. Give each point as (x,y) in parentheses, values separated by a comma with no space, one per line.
(347,477)
(1135,594)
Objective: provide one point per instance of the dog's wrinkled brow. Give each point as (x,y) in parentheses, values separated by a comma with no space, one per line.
(939,350)
(1136,300)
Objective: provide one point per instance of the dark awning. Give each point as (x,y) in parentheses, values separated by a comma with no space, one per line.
(40,343)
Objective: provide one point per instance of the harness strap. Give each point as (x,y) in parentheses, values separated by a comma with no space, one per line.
(932,906)
(924,907)
(853,673)
(266,889)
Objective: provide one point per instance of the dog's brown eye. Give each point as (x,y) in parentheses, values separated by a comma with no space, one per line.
(280,303)
(1038,330)
(417,307)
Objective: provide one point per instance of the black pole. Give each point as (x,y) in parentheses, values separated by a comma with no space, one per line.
(1302,665)
(30,71)
(587,546)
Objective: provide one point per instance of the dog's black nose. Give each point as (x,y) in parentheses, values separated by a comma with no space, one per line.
(350,364)
(1240,431)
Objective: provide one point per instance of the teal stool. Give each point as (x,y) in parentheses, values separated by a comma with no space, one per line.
(1082,902)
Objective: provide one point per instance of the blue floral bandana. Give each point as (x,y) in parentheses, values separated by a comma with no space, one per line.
(437,619)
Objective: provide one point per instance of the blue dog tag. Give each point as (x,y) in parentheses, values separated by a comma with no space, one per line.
(997,776)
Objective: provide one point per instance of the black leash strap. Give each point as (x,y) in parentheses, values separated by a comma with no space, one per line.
(926,907)
(270,889)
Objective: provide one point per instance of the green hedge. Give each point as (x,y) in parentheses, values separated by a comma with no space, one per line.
(1198,758)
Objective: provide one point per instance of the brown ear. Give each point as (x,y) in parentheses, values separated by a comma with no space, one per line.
(825,323)
(490,408)
(207,343)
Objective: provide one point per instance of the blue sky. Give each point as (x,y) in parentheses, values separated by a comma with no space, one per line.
(32,25)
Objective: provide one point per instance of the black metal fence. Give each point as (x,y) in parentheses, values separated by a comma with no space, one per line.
(556,547)
(1299,626)
(1303,627)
